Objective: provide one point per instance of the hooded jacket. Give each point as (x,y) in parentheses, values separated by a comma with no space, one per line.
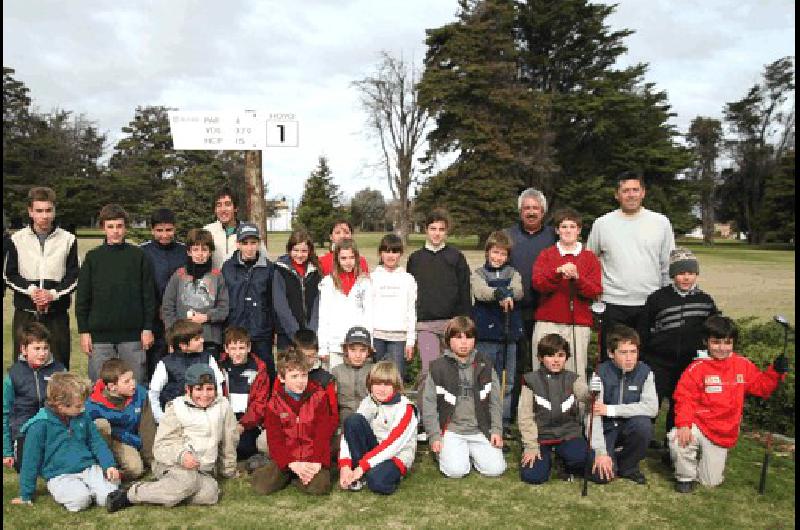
(295,300)
(250,295)
(124,420)
(207,295)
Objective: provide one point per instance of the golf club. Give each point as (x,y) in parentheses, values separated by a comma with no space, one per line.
(598,308)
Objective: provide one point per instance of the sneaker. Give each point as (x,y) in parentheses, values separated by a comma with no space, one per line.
(684,487)
(117,500)
(356,485)
(636,476)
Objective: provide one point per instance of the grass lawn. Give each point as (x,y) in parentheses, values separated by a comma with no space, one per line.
(743,281)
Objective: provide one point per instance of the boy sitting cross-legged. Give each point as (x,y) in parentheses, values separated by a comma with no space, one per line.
(196,437)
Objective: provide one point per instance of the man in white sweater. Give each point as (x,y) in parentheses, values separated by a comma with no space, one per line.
(633,245)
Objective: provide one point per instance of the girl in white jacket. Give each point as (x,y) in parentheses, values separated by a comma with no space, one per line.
(394,295)
(345,301)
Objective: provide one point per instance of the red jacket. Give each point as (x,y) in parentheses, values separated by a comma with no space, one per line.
(299,431)
(330,390)
(554,289)
(257,397)
(326,264)
(710,394)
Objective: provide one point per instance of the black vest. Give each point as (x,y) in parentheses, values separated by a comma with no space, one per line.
(444,372)
(30,391)
(555,406)
(619,388)
(176,365)
(301,293)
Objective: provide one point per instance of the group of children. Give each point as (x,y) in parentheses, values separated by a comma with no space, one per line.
(216,399)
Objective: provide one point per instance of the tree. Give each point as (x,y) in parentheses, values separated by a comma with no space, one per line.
(368,210)
(319,204)
(394,116)
(705,137)
(763,126)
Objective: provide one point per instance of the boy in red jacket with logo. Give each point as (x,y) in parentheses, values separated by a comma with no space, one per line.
(709,400)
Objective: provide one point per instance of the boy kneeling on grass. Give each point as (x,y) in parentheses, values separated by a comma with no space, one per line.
(63,446)
(196,437)
(709,400)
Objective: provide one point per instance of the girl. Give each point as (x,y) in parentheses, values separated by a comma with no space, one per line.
(380,439)
(340,229)
(345,301)
(295,288)
(394,291)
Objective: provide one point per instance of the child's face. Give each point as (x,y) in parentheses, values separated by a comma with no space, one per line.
(75,408)
(720,348)
(36,353)
(568,231)
(202,395)
(436,233)
(685,280)
(625,356)
(497,256)
(462,345)
(357,354)
(163,233)
(554,363)
(237,351)
(195,344)
(390,258)
(114,230)
(311,355)
(42,214)
(295,380)
(339,232)
(125,385)
(225,210)
(381,391)
(347,260)
(248,248)
(199,253)
(300,252)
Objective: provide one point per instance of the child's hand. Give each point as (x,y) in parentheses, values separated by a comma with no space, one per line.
(529,458)
(8,461)
(240,428)
(604,466)
(18,500)
(113,474)
(685,436)
(507,304)
(189,461)
(496,440)
(436,446)
(199,318)
(344,477)
(409,353)
(600,408)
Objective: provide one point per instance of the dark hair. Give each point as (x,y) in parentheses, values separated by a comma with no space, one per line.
(236,334)
(301,235)
(720,327)
(305,339)
(458,325)
(162,216)
(620,333)
(224,191)
(200,236)
(630,175)
(110,212)
(564,214)
(344,244)
(182,331)
(551,344)
(340,221)
(112,369)
(390,242)
(292,359)
(436,215)
(33,332)
(498,239)
(41,193)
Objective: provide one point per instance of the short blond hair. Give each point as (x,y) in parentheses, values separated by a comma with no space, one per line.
(65,388)
(387,373)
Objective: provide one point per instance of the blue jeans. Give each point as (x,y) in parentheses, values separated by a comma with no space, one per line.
(572,452)
(383,478)
(494,350)
(391,350)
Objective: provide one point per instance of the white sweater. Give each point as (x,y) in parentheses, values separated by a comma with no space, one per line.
(339,312)
(394,297)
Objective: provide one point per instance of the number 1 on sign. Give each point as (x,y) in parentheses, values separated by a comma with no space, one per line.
(282,128)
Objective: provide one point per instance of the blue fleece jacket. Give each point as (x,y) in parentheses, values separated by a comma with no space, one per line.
(124,420)
(53,448)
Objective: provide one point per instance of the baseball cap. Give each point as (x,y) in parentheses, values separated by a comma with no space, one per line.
(358,335)
(245,230)
(197,370)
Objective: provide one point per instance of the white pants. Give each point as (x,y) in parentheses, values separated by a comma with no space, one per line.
(77,490)
(577,360)
(708,469)
(459,449)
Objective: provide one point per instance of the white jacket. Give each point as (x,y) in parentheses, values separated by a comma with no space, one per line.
(225,246)
(339,312)
(394,298)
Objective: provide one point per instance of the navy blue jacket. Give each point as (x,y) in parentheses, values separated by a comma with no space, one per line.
(295,299)
(176,364)
(632,385)
(250,295)
(489,316)
(523,255)
(165,260)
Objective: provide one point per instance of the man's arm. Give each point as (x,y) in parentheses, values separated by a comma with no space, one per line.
(148,292)
(83,299)
(526,420)
(464,294)
(430,411)
(72,268)
(667,246)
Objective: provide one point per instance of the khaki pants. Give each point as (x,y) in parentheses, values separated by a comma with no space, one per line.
(174,484)
(128,459)
(270,478)
(708,469)
(578,357)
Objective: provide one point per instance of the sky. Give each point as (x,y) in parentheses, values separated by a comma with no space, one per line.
(105,58)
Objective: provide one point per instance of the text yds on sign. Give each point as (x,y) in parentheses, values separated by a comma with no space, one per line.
(217,130)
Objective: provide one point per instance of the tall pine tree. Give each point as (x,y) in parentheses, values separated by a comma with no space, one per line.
(319,205)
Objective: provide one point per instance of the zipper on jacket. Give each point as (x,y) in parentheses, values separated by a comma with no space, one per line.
(38,392)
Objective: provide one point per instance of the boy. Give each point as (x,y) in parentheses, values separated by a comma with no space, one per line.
(168,382)
(709,400)
(42,270)
(24,388)
(116,406)
(671,326)
(462,410)
(224,228)
(622,411)
(548,413)
(198,291)
(246,382)
(351,376)
(63,446)
(196,438)
(115,305)
(299,425)
(306,342)
(340,229)
(166,256)
(496,286)
(248,278)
